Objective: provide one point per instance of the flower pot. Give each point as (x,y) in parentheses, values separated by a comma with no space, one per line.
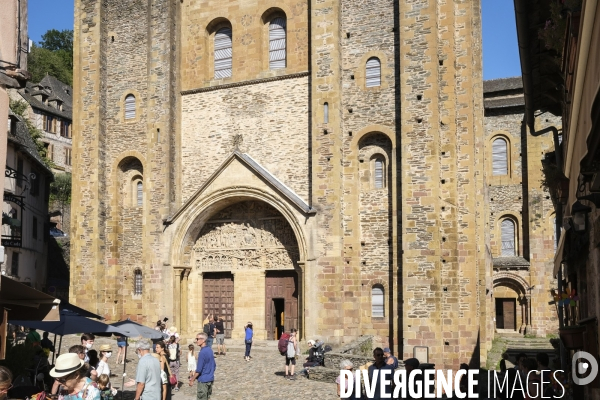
(572,337)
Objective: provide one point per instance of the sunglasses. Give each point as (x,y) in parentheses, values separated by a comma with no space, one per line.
(7,389)
(198,339)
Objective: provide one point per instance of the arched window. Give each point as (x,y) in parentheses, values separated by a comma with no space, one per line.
(140,193)
(277,49)
(223,53)
(138,282)
(377,301)
(507,228)
(325,113)
(379,173)
(499,157)
(373,72)
(130,106)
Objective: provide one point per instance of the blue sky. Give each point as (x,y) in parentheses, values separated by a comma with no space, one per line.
(500,51)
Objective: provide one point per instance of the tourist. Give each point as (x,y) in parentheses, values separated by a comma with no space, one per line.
(106,393)
(70,372)
(380,365)
(389,358)
(313,359)
(172,331)
(530,378)
(121,344)
(33,338)
(248,340)
(205,369)
(147,375)
(520,357)
(211,332)
(5,382)
(543,362)
(105,353)
(174,357)
(191,361)
(290,357)
(87,341)
(505,362)
(345,365)
(164,363)
(163,379)
(220,334)
(47,343)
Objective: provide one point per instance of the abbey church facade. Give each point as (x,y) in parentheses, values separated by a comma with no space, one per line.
(314,164)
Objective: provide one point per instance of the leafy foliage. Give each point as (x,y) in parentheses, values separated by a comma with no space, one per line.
(18,358)
(553,32)
(19,107)
(53,56)
(60,189)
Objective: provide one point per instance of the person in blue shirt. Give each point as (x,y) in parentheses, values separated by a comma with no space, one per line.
(248,340)
(205,368)
(389,358)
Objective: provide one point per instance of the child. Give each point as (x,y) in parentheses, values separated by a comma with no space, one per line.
(191,361)
(106,393)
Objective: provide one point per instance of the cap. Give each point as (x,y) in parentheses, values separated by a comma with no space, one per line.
(412,362)
(387,350)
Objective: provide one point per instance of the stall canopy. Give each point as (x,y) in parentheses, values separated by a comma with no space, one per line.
(70,322)
(26,303)
(66,306)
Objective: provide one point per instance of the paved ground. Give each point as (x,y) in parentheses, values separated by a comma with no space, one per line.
(261,378)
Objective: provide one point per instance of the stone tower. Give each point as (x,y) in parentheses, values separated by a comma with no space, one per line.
(298,164)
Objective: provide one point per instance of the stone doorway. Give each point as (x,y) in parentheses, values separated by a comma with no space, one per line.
(506,314)
(281,302)
(218,298)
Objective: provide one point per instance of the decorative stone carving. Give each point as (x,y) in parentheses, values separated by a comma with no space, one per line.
(247,235)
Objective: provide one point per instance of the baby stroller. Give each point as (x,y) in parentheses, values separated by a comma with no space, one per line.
(316,355)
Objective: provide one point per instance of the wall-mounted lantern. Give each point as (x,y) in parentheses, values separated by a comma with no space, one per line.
(579,212)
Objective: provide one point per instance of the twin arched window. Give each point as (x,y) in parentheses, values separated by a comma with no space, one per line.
(373,72)
(499,157)
(507,235)
(377,302)
(130,106)
(223,53)
(277,50)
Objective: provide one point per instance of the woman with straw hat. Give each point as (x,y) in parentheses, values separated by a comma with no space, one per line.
(70,372)
(105,353)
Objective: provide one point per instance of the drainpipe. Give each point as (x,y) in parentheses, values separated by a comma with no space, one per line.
(557,151)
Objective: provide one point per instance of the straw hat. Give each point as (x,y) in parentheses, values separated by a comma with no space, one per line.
(66,364)
(172,329)
(105,347)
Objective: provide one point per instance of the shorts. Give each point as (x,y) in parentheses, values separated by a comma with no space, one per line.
(290,360)
(220,338)
(121,344)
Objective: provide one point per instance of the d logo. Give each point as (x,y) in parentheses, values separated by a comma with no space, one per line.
(590,364)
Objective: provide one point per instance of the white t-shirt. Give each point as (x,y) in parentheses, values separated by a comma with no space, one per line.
(103,368)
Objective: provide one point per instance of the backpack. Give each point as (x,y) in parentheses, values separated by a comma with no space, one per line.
(173,351)
(283,343)
(207,329)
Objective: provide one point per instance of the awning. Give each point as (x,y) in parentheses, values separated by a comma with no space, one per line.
(558,257)
(26,303)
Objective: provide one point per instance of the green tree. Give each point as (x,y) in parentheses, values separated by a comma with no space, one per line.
(53,56)
(60,192)
(19,107)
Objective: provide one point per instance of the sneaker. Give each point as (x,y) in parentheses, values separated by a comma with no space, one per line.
(292,377)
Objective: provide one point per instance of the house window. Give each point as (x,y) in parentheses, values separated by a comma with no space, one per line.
(499,157)
(130,106)
(325,113)
(138,282)
(140,194)
(35,228)
(223,53)
(19,172)
(373,72)
(49,125)
(277,49)
(507,228)
(65,129)
(68,156)
(377,302)
(49,151)
(379,173)
(14,264)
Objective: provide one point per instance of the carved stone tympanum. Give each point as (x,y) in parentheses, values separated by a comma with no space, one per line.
(246,235)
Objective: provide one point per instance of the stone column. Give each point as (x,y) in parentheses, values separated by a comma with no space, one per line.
(527,322)
(523,323)
(177,300)
(184,325)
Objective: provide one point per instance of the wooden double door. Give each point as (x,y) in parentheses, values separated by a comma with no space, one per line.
(281,303)
(217,289)
(506,314)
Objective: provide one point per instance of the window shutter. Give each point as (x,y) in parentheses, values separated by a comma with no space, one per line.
(130,106)
(499,157)
(140,194)
(373,72)
(223,53)
(277,43)
(508,238)
(377,302)
(378,174)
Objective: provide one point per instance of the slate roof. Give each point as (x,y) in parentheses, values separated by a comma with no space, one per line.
(21,138)
(510,262)
(502,84)
(54,89)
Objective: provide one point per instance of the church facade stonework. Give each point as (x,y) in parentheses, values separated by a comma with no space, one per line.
(313,164)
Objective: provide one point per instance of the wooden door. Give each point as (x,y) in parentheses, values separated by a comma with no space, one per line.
(218,298)
(505,313)
(281,285)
